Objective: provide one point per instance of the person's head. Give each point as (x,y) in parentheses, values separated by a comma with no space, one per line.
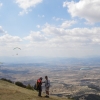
(46,77)
(41,78)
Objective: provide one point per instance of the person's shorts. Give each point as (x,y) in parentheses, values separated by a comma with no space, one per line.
(47,89)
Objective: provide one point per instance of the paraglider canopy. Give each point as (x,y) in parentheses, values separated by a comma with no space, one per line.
(16,48)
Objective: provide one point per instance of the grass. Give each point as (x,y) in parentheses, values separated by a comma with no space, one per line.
(9,91)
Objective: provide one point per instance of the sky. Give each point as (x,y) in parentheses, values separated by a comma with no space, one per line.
(50,28)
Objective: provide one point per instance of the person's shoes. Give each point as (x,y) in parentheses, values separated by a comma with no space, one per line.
(39,95)
(47,96)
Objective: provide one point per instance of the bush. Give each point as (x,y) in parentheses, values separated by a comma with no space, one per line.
(20,84)
(29,87)
(4,79)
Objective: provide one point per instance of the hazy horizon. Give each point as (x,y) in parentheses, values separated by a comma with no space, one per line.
(52,60)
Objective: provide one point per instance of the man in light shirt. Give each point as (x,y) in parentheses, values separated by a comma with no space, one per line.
(47,86)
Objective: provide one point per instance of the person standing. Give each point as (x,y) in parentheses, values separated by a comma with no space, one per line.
(39,86)
(47,86)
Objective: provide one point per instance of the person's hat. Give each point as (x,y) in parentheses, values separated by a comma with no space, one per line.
(41,78)
(46,76)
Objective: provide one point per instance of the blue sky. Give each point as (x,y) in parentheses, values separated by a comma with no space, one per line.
(51,28)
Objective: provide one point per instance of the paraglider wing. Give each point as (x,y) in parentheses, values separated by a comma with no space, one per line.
(17,48)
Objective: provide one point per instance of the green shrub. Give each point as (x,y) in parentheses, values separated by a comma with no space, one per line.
(29,87)
(4,79)
(20,84)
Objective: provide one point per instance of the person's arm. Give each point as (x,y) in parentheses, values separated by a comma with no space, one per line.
(43,82)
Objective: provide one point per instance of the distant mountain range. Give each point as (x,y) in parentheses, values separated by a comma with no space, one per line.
(53,60)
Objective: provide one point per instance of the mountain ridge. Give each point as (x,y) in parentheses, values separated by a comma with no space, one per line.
(9,91)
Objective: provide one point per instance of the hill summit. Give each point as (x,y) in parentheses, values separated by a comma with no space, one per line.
(9,91)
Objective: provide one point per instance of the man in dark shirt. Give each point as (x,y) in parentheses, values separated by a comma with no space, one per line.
(39,84)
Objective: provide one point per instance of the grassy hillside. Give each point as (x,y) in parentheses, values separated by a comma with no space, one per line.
(9,91)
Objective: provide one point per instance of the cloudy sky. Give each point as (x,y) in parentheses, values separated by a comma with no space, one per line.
(51,28)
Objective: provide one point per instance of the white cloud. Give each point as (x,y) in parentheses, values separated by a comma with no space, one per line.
(67,24)
(36,37)
(2,31)
(27,4)
(7,43)
(1,4)
(58,41)
(87,9)
(52,30)
(38,26)
(41,16)
(54,36)
(9,39)
(5,38)
(58,19)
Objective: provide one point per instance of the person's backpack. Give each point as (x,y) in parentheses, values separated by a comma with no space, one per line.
(36,86)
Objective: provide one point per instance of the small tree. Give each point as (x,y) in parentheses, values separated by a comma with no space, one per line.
(4,79)
(29,87)
(20,84)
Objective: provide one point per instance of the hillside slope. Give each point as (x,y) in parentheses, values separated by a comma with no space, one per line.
(9,91)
